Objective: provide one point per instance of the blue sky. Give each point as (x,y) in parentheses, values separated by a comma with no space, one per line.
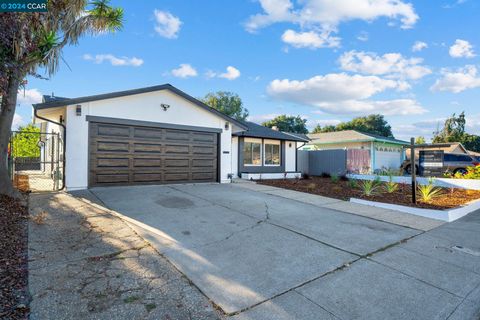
(415,62)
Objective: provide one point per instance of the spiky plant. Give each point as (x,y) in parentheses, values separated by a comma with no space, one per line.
(428,191)
(369,187)
(391,186)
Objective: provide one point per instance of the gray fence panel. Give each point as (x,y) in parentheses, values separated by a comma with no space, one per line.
(327,161)
(303,161)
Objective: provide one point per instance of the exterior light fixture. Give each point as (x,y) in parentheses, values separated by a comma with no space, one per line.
(78,110)
(227,125)
(165,106)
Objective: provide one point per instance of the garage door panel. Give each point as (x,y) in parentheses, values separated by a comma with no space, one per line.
(113,131)
(204,150)
(177,135)
(125,155)
(148,177)
(147,148)
(175,163)
(202,176)
(204,137)
(145,133)
(147,163)
(112,162)
(177,176)
(112,178)
(176,148)
(203,163)
(112,146)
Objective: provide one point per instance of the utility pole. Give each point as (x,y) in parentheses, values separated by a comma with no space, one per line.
(413,169)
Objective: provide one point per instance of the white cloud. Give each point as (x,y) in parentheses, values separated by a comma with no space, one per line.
(232,73)
(29,97)
(166,24)
(385,107)
(462,49)
(322,122)
(324,16)
(17,121)
(310,39)
(363,36)
(457,81)
(259,118)
(339,93)
(114,61)
(184,71)
(419,46)
(390,64)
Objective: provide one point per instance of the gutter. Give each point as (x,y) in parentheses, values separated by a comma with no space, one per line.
(64,142)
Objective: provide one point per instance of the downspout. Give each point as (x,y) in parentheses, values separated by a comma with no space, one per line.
(64,142)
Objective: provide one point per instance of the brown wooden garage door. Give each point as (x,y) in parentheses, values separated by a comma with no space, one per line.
(128,155)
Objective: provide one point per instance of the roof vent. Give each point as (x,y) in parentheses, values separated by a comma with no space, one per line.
(275,128)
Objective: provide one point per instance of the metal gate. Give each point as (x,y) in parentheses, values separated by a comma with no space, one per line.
(36,161)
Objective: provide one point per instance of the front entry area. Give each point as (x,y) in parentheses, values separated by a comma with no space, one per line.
(121,154)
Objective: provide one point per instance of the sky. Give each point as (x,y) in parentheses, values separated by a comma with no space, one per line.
(415,62)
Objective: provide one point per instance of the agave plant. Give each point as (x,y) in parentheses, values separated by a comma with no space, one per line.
(428,191)
(391,186)
(369,187)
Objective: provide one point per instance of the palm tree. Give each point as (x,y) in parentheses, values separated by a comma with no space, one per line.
(29,41)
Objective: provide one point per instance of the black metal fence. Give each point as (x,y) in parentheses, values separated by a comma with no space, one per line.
(35,160)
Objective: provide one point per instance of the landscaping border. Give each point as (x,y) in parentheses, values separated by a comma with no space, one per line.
(470,184)
(443,215)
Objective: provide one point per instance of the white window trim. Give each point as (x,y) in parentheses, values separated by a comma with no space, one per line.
(274,142)
(259,141)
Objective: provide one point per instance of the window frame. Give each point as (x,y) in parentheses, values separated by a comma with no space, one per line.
(252,141)
(275,143)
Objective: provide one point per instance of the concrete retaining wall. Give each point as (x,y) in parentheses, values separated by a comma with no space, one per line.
(471,184)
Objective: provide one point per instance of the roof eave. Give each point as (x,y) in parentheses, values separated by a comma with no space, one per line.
(64,103)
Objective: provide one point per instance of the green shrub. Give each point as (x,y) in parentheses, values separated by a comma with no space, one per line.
(334,178)
(391,186)
(428,192)
(352,183)
(473,172)
(369,187)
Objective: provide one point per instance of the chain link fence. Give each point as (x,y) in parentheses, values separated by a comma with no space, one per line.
(35,161)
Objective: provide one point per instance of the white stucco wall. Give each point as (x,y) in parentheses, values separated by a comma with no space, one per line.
(235,156)
(290,156)
(142,107)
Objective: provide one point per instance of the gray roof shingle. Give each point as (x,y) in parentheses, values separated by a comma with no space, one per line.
(257,131)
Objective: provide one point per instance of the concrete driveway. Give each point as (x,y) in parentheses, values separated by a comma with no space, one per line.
(260,252)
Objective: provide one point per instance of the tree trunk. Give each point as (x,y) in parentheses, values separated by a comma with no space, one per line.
(7,112)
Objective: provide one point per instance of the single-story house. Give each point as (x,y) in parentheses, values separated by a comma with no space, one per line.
(384,152)
(159,135)
(453,147)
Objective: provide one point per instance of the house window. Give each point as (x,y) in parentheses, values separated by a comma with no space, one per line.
(272,154)
(252,153)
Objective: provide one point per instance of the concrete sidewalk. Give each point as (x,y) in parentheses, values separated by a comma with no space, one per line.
(86,263)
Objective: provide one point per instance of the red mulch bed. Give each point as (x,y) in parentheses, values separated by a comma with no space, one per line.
(450,198)
(13,259)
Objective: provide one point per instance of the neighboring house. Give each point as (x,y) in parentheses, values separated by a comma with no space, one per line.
(158,135)
(385,153)
(453,147)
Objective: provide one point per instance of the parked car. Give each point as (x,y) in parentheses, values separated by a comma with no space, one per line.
(452,162)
